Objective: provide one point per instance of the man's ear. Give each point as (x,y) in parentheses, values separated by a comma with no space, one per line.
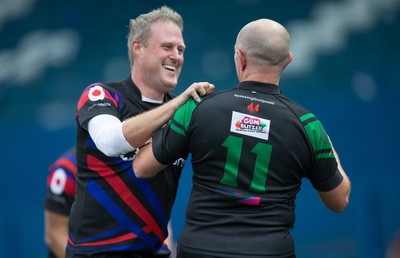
(289,59)
(242,59)
(136,47)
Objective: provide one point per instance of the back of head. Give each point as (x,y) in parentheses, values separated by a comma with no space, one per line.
(264,41)
(139,28)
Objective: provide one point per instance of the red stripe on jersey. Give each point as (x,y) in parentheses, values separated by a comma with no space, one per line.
(125,193)
(83,99)
(112,240)
(85,96)
(70,187)
(111,97)
(67,164)
(107,242)
(50,178)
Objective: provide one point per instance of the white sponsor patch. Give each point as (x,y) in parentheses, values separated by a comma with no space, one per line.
(250,125)
(96,93)
(58,181)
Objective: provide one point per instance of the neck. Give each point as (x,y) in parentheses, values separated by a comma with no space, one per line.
(260,77)
(145,90)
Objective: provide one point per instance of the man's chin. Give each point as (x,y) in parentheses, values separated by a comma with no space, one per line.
(170,85)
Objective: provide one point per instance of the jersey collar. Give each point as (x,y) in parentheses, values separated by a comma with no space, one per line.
(132,85)
(167,96)
(267,88)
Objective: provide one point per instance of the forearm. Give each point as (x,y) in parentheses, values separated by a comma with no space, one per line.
(145,165)
(58,246)
(137,130)
(346,184)
(338,198)
(169,241)
(56,232)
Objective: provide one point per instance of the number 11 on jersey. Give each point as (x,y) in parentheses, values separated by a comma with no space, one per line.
(262,151)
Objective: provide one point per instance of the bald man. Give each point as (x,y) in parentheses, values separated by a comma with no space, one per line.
(251,146)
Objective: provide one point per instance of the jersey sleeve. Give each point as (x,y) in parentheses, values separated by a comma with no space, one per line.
(96,99)
(171,141)
(325,175)
(61,186)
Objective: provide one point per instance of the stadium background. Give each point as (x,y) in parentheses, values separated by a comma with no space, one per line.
(346,69)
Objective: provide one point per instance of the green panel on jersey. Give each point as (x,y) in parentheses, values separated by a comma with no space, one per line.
(318,137)
(181,119)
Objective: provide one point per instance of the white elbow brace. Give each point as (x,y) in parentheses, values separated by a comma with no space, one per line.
(106,132)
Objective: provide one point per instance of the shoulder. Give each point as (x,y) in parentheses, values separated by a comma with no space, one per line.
(102,91)
(217,96)
(298,109)
(116,86)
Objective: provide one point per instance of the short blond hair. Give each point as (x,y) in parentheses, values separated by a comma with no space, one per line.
(139,28)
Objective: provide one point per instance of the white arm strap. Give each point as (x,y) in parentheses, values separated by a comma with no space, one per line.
(106,132)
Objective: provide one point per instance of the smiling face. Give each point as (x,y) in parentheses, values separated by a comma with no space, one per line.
(159,62)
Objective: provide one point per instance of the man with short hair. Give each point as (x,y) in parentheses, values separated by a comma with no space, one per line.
(251,146)
(115,214)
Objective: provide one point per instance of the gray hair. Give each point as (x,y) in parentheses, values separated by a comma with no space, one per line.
(264,41)
(139,28)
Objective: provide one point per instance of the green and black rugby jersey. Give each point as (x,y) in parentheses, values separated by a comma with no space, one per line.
(251,146)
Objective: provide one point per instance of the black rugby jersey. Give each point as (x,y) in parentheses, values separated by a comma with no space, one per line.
(61,182)
(114,211)
(250,147)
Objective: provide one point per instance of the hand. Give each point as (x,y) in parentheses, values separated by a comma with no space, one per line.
(196,90)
